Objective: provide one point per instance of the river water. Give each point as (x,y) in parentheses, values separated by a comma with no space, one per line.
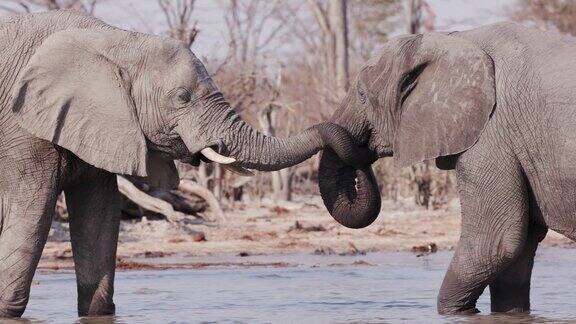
(390,287)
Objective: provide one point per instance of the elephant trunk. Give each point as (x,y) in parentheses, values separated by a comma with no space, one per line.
(347,184)
(254,150)
(351,195)
(241,146)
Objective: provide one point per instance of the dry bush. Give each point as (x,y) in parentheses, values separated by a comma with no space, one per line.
(548,14)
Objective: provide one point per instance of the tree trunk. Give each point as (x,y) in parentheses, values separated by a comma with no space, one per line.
(285,193)
(419,16)
(217,181)
(333,23)
(339,21)
(282,179)
(202,178)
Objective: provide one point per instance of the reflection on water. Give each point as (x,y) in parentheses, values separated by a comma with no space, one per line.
(396,287)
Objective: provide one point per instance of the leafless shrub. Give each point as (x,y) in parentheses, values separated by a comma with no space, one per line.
(178,14)
(548,14)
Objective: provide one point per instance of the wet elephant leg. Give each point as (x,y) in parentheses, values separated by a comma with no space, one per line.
(26,219)
(94,208)
(510,291)
(495,221)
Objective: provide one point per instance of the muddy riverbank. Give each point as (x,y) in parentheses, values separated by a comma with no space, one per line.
(303,226)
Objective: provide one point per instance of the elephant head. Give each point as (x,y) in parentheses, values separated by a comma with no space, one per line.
(423,97)
(129,102)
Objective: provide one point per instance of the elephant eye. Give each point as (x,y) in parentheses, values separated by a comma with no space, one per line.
(181,96)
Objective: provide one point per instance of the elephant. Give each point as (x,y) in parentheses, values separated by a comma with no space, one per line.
(497,105)
(82,101)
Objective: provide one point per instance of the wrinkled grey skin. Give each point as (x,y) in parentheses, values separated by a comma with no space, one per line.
(81,101)
(497,104)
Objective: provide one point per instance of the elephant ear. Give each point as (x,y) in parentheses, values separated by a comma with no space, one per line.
(448,96)
(72,94)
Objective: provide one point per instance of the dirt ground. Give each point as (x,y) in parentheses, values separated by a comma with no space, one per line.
(302,226)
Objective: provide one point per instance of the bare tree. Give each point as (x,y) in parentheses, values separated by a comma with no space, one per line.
(370,23)
(281,180)
(178,14)
(251,28)
(332,17)
(419,16)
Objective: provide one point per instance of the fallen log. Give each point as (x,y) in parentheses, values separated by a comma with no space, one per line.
(148,202)
(187,204)
(192,188)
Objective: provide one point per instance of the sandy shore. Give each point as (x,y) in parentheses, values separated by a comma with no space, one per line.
(303,226)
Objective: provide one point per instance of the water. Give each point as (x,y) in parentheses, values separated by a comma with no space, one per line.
(399,287)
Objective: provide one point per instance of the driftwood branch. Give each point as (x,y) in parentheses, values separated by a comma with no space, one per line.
(148,202)
(190,187)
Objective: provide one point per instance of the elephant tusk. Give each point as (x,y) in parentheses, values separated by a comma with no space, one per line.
(238,170)
(214,156)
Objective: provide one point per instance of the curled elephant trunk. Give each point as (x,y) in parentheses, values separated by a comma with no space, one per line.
(347,184)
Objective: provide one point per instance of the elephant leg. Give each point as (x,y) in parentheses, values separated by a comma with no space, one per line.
(94,208)
(510,291)
(495,219)
(26,215)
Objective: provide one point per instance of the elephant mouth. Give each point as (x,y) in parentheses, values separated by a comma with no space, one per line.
(383,151)
(192,159)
